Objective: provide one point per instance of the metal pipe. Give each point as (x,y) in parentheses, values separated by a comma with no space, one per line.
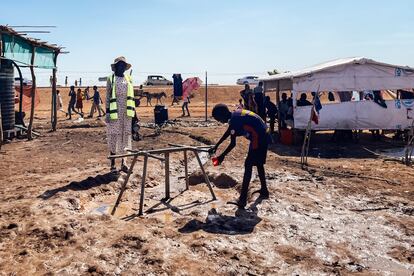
(187,182)
(206,99)
(156,151)
(141,196)
(167,175)
(131,168)
(179,145)
(205,175)
(149,155)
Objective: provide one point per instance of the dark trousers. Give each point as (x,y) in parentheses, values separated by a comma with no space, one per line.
(272,123)
(185,107)
(71,108)
(248,169)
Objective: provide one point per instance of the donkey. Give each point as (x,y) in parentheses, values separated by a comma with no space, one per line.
(157,95)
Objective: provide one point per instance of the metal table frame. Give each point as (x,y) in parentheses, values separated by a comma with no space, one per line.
(166,159)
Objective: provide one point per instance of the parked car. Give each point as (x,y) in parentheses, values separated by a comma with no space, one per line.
(157,80)
(252,80)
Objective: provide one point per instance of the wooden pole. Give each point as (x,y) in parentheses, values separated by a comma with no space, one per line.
(141,196)
(54,96)
(206,98)
(1,129)
(278,107)
(167,175)
(33,94)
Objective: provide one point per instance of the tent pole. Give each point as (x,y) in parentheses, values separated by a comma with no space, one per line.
(278,107)
(206,96)
(32,108)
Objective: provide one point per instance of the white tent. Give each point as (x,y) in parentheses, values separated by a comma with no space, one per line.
(350,74)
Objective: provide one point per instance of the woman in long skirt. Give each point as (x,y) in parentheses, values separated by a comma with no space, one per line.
(118,130)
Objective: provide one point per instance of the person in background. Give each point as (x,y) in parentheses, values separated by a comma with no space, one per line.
(184,107)
(368,95)
(80,81)
(405,94)
(120,109)
(240,104)
(96,103)
(283,110)
(60,103)
(51,81)
(76,82)
(72,103)
(79,101)
(331,97)
(271,111)
(244,94)
(86,93)
(66,81)
(252,103)
(303,101)
(250,125)
(259,99)
(378,99)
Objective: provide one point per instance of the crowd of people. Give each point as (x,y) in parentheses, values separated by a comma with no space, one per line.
(76,99)
(255,101)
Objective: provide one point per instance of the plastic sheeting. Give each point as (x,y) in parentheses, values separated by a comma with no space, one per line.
(19,50)
(27,98)
(349,74)
(399,114)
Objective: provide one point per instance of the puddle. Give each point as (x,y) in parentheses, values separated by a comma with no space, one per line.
(106,209)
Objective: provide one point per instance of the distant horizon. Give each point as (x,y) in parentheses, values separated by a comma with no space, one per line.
(228,39)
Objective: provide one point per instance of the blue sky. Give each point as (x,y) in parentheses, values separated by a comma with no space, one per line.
(228,38)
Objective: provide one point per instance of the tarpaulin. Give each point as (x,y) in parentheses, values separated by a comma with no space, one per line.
(27,97)
(399,114)
(20,50)
(189,85)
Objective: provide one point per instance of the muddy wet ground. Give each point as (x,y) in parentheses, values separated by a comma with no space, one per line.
(348,214)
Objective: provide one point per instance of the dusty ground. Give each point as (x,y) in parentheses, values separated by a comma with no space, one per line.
(350,213)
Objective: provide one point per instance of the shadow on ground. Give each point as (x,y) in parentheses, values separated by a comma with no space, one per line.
(165,204)
(243,222)
(88,183)
(324,146)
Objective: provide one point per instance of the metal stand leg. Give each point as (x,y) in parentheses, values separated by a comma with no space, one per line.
(124,184)
(167,175)
(205,175)
(141,196)
(187,183)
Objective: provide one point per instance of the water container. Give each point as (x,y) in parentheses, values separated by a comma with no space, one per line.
(7,94)
(286,136)
(160,114)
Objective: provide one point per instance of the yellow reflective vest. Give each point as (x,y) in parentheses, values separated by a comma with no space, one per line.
(130,104)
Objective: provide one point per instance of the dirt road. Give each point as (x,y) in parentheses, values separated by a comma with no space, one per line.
(348,214)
